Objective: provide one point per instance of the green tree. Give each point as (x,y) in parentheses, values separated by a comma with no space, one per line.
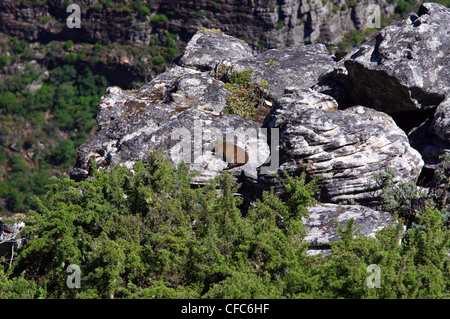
(8,102)
(64,154)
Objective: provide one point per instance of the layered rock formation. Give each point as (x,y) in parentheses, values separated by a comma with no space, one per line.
(346,149)
(340,121)
(323,220)
(262,23)
(404,71)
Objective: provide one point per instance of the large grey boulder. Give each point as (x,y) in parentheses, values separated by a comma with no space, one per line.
(404,67)
(10,241)
(297,67)
(189,97)
(324,219)
(346,149)
(181,114)
(295,97)
(193,137)
(440,125)
(209,48)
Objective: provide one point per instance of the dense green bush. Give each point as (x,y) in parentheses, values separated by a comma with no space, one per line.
(416,268)
(64,154)
(144,11)
(160,18)
(8,101)
(18,288)
(4,59)
(148,234)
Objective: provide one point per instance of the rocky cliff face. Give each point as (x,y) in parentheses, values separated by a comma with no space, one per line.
(262,23)
(341,121)
(137,39)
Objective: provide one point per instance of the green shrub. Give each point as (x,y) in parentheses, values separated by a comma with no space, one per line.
(19,288)
(97,48)
(19,46)
(417,268)
(144,11)
(160,18)
(242,99)
(4,59)
(245,95)
(159,59)
(18,164)
(69,43)
(148,233)
(8,102)
(64,154)
(280,25)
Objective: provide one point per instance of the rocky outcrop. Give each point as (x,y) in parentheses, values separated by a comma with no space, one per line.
(345,149)
(211,48)
(189,96)
(263,24)
(323,220)
(440,125)
(403,71)
(9,237)
(179,112)
(342,122)
(281,68)
(389,73)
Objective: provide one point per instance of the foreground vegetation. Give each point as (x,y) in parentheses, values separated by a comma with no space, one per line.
(150,235)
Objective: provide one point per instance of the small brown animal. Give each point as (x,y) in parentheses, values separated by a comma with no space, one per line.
(230,153)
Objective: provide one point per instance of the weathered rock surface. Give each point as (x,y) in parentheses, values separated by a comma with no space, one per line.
(9,240)
(321,224)
(404,71)
(429,145)
(179,112)
(208,49)
(345,148)
(189,96)
(441,122)
(295,97)
(298,67)
(263,24)
(404,67)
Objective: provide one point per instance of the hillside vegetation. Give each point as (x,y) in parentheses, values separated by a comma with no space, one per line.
(150,235)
